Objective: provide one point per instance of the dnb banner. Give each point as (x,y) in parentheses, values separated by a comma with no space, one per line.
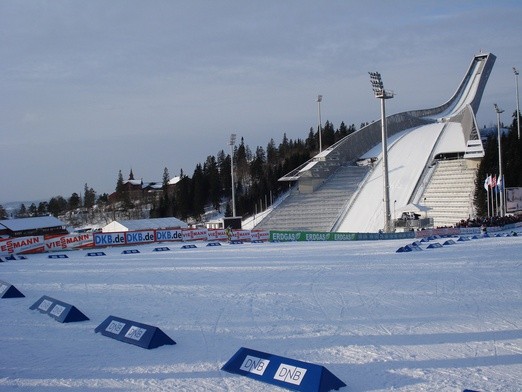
(284,372)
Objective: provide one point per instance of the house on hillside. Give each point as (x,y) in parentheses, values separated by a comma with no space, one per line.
(23,227)
(149,192)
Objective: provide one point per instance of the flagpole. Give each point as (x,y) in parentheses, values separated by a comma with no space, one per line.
(487,192)
(494,197)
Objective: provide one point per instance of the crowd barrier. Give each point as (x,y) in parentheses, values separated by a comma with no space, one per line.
(54,243)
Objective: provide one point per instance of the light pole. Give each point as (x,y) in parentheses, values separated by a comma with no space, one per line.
(383,95)
(518,103)
(319,100)
(232,142)
(502,185)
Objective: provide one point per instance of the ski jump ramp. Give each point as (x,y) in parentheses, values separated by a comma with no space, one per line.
(417,141)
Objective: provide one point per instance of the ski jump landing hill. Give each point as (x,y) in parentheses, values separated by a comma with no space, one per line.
(433,156)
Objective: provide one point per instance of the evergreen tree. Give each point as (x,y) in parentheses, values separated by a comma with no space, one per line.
(3,212)
(272,157)
(57,205)
(33,211)
(199,191)
(74,201)
(213,181)
(22,211)
(43,208)
(328,135)
(183,194)
(120,187)
(241,163)
(89,196)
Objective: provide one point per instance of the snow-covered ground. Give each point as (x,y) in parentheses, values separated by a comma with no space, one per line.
(438,320)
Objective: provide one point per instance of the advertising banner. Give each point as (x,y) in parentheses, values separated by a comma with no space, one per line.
(217,235)
(513,199)
(260,235)
(22,245)
(139,237)
(169,235)
(240,235)
(195,234)
(109,239)
(287,373)
(68,242)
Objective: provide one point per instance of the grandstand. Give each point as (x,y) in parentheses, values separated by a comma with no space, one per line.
(433,155)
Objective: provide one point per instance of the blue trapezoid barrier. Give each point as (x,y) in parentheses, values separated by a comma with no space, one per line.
(409,248)
(11,257)
(189,246)
(449,242)
(132,332)
(284,372)
(236,242)
(58,256)
(214,244)
(462,239)
(161,249)
(95,254)
(435,245)
(59,310)
(7,290)
(130,251)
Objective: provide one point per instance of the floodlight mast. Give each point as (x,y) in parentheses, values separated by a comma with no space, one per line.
(319,100)
(232,143)
(502,184)
(515,71)
(382,94)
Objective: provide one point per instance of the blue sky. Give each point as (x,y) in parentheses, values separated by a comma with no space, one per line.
(89,88)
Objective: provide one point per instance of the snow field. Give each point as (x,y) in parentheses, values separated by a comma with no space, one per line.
(441,319)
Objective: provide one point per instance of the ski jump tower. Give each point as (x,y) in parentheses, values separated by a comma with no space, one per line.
(445,133)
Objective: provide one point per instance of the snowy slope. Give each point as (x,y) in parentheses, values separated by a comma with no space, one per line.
(407,156)
(443,319)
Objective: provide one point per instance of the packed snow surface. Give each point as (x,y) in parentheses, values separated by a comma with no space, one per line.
(437,320)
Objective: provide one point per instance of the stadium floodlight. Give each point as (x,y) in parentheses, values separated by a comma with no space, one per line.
(518,103)
(502,182)
(232,143)
(382,94)
(319,100)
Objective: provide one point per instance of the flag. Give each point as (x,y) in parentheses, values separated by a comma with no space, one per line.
(487,182)
(494,181)
(500,184)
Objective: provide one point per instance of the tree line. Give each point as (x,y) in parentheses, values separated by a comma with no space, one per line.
(256,174)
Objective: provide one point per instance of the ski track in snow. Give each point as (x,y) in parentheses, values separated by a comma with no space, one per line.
(443,319)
